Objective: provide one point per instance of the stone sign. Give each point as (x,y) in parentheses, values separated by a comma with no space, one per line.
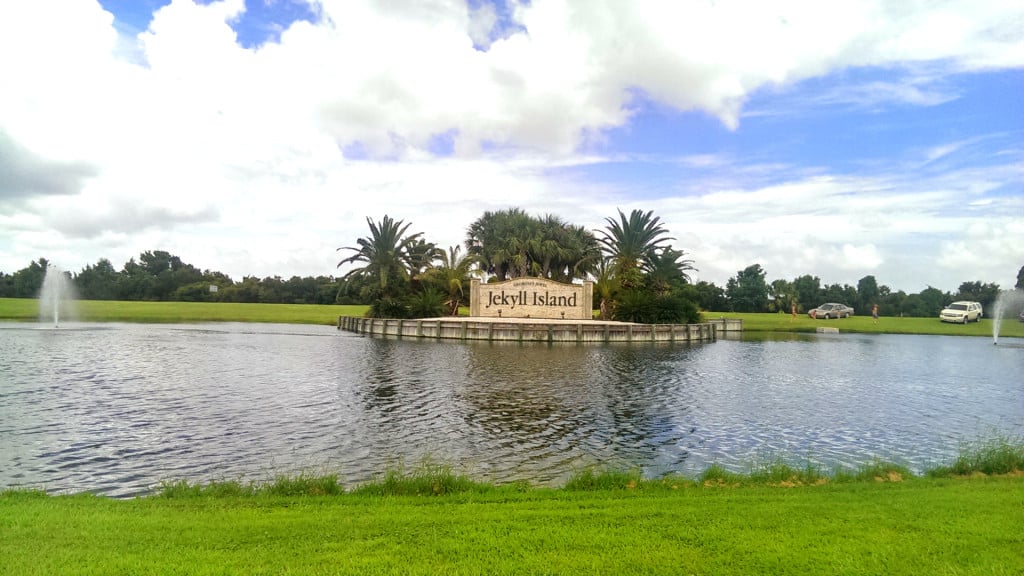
(531,298)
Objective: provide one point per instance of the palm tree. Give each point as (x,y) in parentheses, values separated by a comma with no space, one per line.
(630,243)
(451,276)
(562,251)
(584,254)
(666,268)
(422,255)
(385,255)
(511,243)
(501,241)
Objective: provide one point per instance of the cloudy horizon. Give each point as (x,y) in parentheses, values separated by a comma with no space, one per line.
(255,138)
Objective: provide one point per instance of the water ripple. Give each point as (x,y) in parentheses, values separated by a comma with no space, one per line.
(117,409)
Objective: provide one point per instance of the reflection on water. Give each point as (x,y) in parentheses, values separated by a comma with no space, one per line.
(116,409)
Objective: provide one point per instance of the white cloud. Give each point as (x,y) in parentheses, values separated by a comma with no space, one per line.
(251,160)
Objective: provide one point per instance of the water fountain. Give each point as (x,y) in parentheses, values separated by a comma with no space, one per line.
(1007,299)
(56,298)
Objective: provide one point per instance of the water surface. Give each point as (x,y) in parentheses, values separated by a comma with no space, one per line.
(118,408)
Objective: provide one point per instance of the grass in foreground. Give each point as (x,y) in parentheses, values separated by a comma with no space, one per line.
(775,520)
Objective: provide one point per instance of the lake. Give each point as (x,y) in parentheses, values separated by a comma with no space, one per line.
(118,408)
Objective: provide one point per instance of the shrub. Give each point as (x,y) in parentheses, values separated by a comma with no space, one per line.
(388,307)
(429,303)
(643,306)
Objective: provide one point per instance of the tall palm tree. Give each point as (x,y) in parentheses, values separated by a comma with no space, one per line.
(630,243)
(385,254)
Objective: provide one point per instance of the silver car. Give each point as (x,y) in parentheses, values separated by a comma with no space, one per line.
(831,310)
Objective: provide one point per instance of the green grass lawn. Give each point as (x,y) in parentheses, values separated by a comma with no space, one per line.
(171,312)
(918,526)
(26,309)
(886,325)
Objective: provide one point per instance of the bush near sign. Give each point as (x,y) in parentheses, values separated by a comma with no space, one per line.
(532,298)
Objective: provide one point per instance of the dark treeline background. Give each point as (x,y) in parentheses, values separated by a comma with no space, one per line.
(160,276)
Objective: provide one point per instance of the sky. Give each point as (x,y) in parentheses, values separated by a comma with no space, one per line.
(255,138)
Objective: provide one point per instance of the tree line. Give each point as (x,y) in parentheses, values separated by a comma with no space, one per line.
(749,292)
(638,275)
(160,276)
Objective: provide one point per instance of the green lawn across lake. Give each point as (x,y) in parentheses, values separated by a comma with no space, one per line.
(26,309)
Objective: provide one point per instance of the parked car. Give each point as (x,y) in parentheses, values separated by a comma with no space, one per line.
(962,312)
(831,310)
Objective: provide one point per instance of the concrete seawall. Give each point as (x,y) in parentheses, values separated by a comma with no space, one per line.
(536,329)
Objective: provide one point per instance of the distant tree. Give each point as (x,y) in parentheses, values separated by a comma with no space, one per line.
(981,292)
(783,295)
(6,285)
(899,303)
(354,290)
(747,291)
(842,293)
(217,278)
(97,282)
(28,281)
(926,304)
(327,289)
(867,294)
(158,261)
(711,297)
(248,290)
(808,291)
(195,292)
(135,282)
(272,290)
(160,266)
(301,290)
(890,303)
(1020,279)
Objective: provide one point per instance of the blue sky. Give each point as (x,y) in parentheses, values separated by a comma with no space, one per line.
(255,137)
